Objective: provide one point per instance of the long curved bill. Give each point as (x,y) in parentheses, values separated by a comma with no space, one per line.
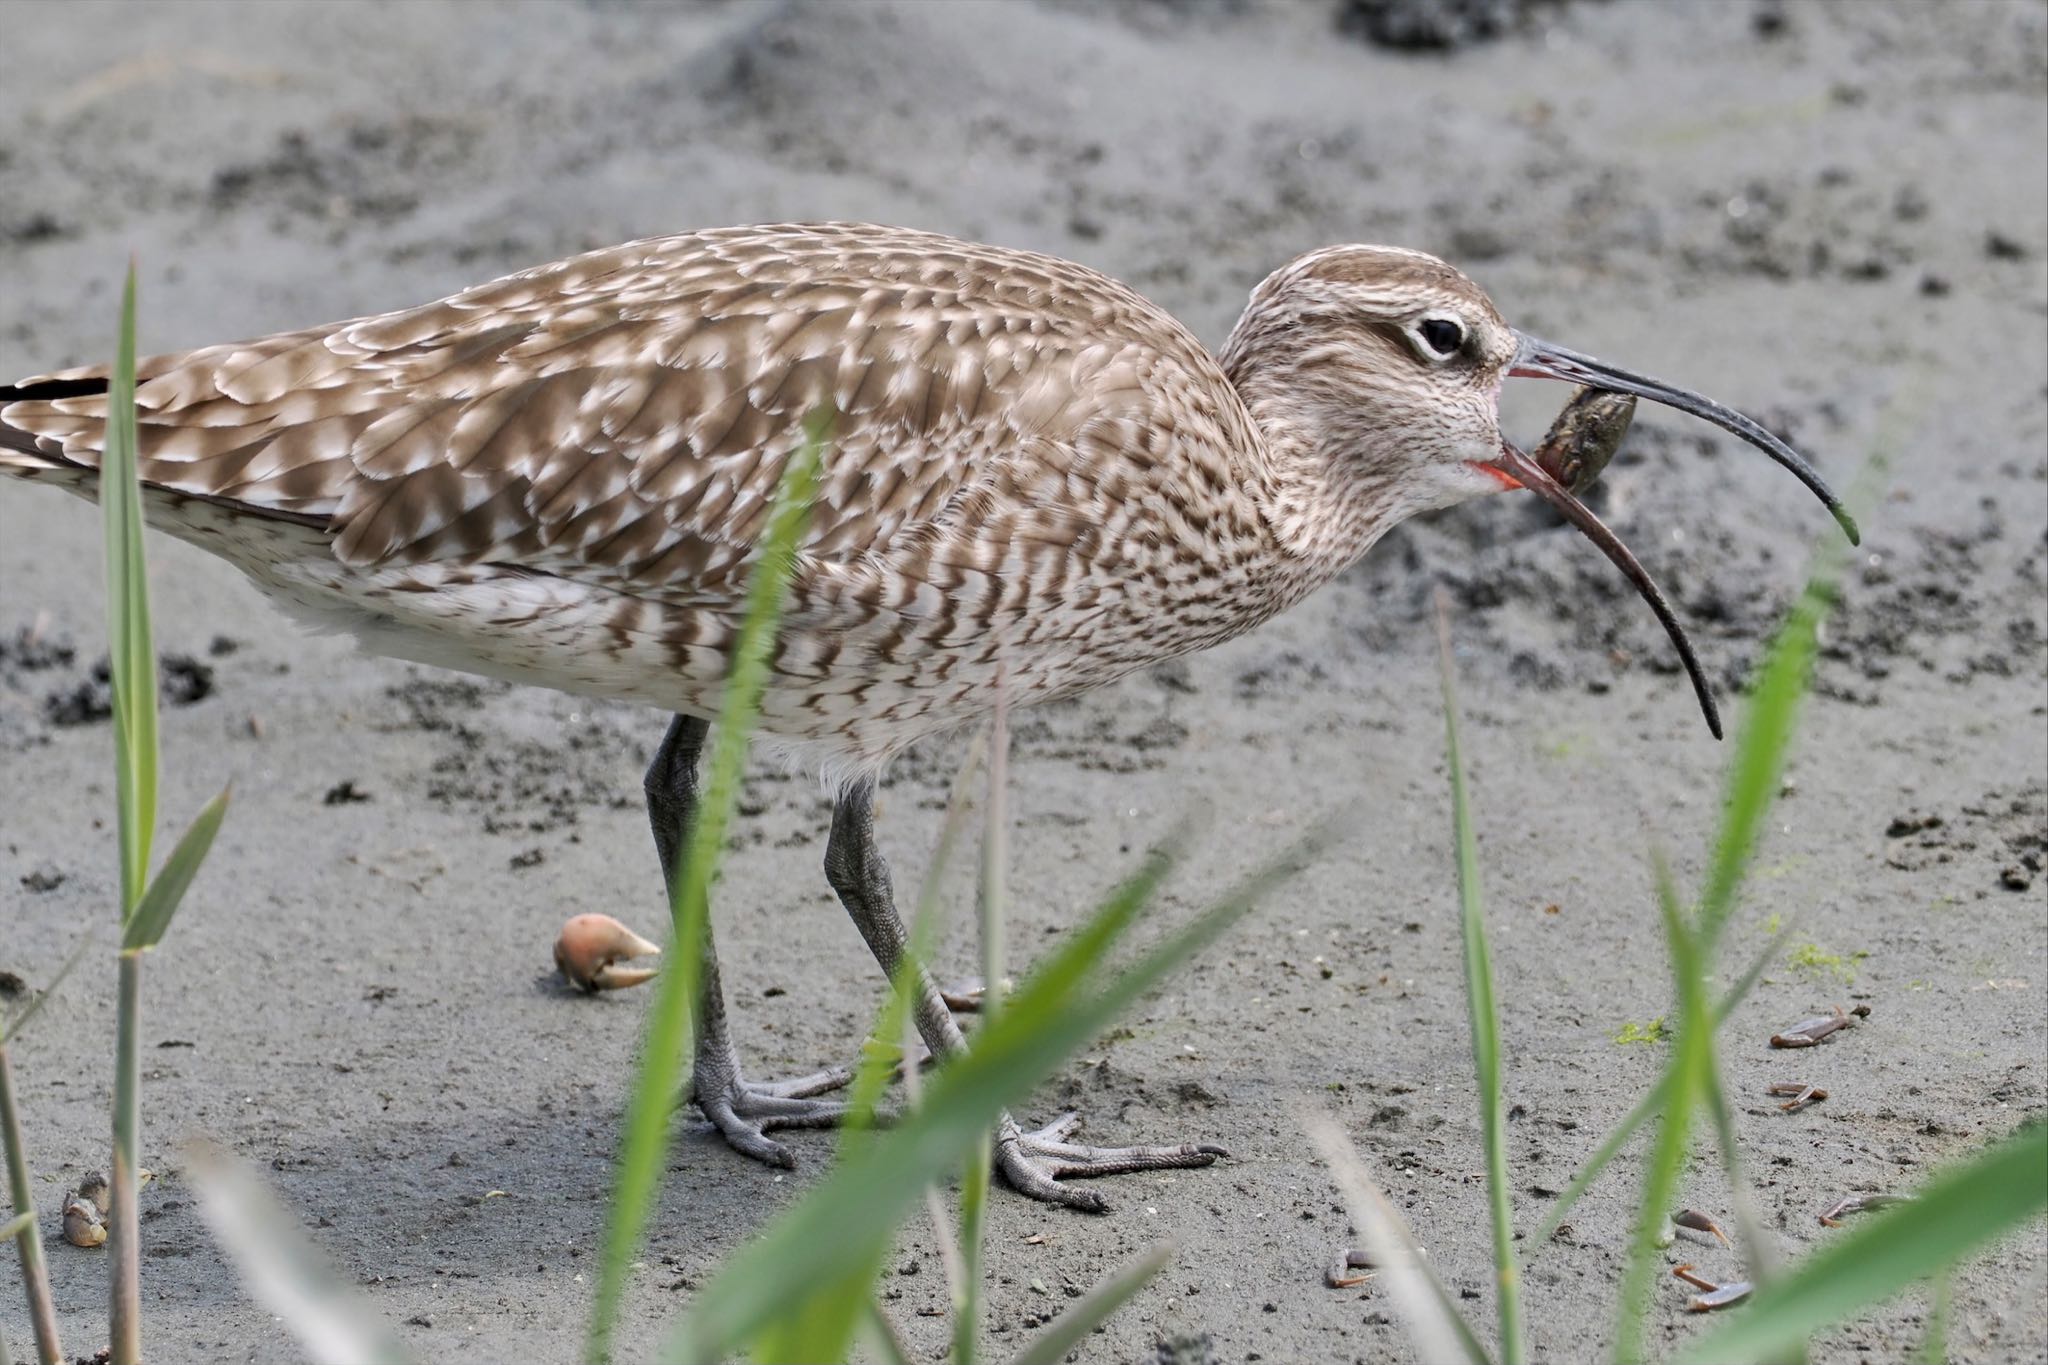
(1536,479)
(1538,359)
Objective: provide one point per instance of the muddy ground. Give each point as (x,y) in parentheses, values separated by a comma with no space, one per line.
(1836,216)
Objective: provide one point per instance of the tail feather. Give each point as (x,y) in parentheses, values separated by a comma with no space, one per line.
(43,457)
(22,451)
(25,456)
(50,388)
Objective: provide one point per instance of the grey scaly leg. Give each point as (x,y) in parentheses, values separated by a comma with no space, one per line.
(742,1110)
(1033,1163)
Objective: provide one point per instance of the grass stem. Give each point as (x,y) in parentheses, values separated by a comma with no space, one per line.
(1482,1005)
(664,1066)
(980,1173)
(1691,1066)
(124,1233)
(28,1243)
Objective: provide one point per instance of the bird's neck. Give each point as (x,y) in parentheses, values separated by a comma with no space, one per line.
(1327,495)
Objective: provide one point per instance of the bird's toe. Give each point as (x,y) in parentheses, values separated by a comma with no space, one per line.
(1036,1163)
(745,1136)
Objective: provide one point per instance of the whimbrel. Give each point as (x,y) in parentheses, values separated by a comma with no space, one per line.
(559,477)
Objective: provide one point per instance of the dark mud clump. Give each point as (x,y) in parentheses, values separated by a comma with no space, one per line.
(583,756)
(181,680)
(1438,25)
(31,650)
(435,703)
(2004,832)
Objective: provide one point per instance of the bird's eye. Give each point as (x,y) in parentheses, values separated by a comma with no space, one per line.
(1442,335)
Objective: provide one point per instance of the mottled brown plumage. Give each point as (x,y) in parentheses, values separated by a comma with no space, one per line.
(559,476)
(1035,479)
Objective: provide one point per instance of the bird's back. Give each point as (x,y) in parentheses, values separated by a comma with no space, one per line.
(1025,452)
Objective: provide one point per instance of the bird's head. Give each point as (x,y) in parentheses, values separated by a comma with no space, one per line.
(1385,366)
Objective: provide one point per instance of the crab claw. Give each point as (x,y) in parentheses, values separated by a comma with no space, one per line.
(590,945)
(82,1225)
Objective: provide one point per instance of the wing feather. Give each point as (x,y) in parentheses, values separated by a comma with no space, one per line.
(625,414)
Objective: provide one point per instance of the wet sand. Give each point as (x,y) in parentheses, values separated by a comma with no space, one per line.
(1834,217)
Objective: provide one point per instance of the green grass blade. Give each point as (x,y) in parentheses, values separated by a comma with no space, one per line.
(1691,1059)
(1759,1252)
(974,1190)
(858,1240)
(1091,1310)
(1484,1021)
(1758,766)
(1654,1102)
(1080,958)
(834,1310)
(132,672)
(124,1222)
(1934,1345)
(28,1241)
(131,656)
(1436,1328)
(1754,776)
(10,1029)
(882,1338)
(16,1225)
(1049,1018)
(1956,1213)
(284,1271)
(974,1185)
(643,1152)
(146,927)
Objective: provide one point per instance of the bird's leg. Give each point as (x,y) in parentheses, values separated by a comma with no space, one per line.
(740,1109)
(1034,1163)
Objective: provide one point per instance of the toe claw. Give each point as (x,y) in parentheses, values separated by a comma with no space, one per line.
(748,1139)
(744,1112)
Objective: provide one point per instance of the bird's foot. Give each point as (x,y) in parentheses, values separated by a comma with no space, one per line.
(744,1111)
(1035,1163)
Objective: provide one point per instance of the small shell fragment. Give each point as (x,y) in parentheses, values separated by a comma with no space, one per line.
(1716,1295)
(1723,1297)
(1801,1093)
(1860,1203)
(1339,1275)
(1695,1221)
(1809,1032)
(590,945)
(1587,432)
